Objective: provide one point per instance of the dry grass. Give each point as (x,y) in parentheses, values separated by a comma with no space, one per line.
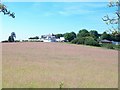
(45,65)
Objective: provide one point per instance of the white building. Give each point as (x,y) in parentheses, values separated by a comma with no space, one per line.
(48,38)
(51,38)
(115,43)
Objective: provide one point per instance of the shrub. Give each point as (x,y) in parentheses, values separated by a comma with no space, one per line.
(78,40)
(90,41)
(117,47)
(81,40)
(17,40)
(74,41)
(24,40)
(4,41)
(109,46)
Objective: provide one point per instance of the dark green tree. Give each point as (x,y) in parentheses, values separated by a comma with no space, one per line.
(78,40)
(59,35)
(11,37)
(69,36)
(94,34)
(90,41)
(117,37)
(83,33)
(36,37)
(106,36)
(74,34)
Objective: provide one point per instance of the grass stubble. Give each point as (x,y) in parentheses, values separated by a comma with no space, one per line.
(46,65)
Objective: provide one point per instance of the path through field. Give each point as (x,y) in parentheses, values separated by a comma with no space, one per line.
(45,65)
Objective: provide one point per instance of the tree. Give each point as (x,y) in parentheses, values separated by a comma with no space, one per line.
(115,20)
(78,40)
(90,41)
(74,34)
(94,34)
(34,37)
(59,35)
(11,37)
(69,36)
(117,37)
(83,33)
(106,36)
(5,11)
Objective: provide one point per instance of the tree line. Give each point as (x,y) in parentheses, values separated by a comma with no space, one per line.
(91,38)
(92,35)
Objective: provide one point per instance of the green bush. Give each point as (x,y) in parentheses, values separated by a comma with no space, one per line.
(17,40)
(90,41)
(117,47)
(24,40)
(74,41)
(109,46)
(78,41)
(4,41)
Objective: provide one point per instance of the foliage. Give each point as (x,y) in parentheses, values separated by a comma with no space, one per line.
(11,37)
(117,37)
(83,33)
(86,41)
(78,40)
(74,41)
(86,38)
(117,47)
(5,11)
(24,40)
(4,41)
(61,85)
(106,36)
(94,34)
(90,41)
(74,34)
(36,37)
(17,40)
(59,35)
(113,20)
(109,46)
(69,36)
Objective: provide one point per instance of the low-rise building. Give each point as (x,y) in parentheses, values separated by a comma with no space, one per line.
(48,38)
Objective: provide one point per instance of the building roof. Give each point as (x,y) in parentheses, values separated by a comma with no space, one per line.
(106,41)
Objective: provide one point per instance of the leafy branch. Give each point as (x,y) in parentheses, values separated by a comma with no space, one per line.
(5,11)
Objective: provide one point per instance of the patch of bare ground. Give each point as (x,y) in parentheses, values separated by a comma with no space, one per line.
(45,65)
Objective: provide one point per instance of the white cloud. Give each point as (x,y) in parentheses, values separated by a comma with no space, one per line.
(76,9)
(68,9)
(74,12)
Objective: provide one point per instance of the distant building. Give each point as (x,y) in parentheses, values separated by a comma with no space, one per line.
(48,38)
(109,42)
(115,43)
(51,38)
(106,41)
(62,39)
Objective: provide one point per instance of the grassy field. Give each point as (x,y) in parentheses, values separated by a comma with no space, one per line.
(46,65)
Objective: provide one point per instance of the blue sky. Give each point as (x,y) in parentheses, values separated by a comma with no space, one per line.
(37,18)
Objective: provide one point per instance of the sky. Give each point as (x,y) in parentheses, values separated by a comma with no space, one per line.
(41,18)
